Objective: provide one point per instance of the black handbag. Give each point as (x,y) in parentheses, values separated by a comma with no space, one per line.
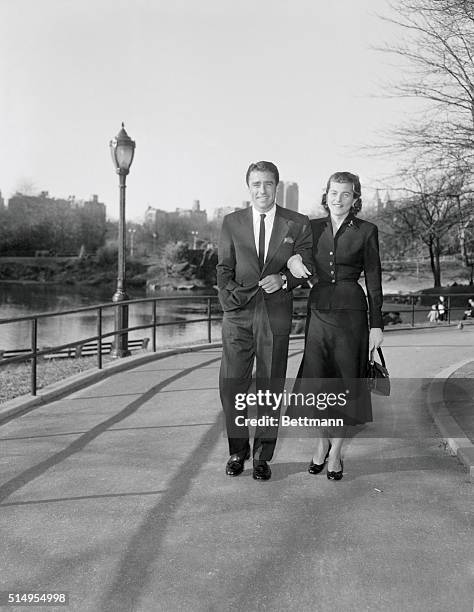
(378,377)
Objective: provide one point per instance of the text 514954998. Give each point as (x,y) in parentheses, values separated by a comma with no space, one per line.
(31,598)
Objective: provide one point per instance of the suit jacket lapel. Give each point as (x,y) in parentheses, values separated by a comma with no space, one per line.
(249,239)
(279,231)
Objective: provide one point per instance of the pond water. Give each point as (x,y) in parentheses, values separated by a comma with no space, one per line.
(21,299)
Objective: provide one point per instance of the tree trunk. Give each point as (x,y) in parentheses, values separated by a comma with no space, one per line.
(435,263)
(462,244)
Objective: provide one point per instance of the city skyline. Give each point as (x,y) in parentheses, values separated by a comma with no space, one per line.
(373,201)
(203,90)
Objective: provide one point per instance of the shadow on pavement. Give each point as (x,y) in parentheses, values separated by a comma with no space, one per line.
(37,470)
(136,567)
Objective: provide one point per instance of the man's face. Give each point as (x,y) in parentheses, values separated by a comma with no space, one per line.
(340,198)
(262,190)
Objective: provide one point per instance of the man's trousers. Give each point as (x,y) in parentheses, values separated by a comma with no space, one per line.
(247,337)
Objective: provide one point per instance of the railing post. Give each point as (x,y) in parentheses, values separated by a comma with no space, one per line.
(413,299)
(448,307)
(99,338)
(209,320)
(153,318)
(34,350)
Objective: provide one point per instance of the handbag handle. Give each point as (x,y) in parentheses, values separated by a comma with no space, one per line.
(379,351)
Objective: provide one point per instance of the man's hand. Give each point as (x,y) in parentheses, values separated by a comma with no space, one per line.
(296,266)
(375,340)
(271,283)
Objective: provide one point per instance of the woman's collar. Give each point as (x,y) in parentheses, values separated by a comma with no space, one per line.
(349,221)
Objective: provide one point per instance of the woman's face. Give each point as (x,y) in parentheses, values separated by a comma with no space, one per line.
(340,198)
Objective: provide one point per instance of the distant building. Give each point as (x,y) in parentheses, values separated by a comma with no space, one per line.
(65,225)
(375,203)
(378,202)
(36,207)
(280,194)
(2,202)
(42,204)
(287,195)
(94,208)
(291,196)
(154,216)
(222,211)
(387,198)
(198,216)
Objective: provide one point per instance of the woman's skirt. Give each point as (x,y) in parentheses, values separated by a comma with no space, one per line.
(333,373)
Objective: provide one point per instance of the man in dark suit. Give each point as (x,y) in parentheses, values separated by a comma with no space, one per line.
(255,293)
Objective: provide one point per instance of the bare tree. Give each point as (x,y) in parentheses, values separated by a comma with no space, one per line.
(437,44)
(432,203)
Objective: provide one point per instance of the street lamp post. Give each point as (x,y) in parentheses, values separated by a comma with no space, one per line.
(122,148)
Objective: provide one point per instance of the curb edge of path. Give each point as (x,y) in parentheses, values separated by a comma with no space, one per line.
(452,434)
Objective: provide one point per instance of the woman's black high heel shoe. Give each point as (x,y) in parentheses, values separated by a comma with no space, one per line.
(335,475)
(316,468)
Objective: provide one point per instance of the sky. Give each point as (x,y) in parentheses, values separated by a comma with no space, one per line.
(204,89)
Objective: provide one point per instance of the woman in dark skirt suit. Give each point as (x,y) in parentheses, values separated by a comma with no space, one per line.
(340,334)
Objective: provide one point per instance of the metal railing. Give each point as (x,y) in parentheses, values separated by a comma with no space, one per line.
(406,303)
(35,351)
(411,304)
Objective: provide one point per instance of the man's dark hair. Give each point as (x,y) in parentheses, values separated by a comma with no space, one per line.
(345,177)
(263,166)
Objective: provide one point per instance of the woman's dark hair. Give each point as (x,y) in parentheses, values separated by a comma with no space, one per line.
(345,177)
(263,166)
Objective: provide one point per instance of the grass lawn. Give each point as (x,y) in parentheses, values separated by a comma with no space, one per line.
(15,378)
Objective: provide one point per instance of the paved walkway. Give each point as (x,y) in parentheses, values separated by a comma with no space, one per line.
(117,495)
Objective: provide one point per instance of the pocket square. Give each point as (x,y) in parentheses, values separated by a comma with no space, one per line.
(289,240)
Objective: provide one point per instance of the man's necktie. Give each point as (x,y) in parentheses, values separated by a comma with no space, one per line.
(261,242)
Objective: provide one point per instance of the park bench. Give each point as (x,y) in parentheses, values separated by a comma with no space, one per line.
(88,349)
(13,353)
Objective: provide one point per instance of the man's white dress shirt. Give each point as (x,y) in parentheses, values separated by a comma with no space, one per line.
(269,220)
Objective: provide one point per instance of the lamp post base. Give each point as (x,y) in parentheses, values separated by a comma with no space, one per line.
(120,344)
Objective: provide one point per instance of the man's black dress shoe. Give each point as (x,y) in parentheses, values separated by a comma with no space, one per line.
(261,470)
(335,475)
(235,465)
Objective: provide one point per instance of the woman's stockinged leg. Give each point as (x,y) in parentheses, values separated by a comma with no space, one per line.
(336,438)
(322,446)
(329,442)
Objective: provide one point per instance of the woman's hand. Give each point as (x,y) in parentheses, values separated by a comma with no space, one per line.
(296,266)
(375,340)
